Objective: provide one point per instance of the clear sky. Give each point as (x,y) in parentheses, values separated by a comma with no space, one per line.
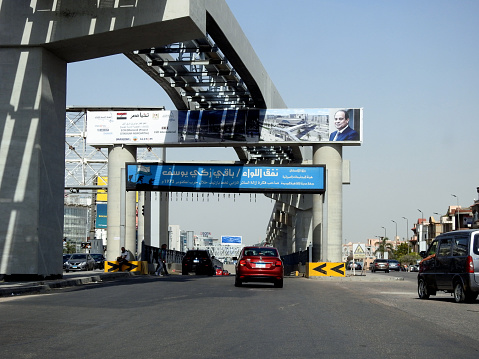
(412,66)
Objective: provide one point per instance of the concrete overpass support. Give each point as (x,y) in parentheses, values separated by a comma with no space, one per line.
(332,232)
(32,166)
(117,156)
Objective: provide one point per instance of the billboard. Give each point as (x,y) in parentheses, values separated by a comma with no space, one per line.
(224,127)
(101,215)
(231,240)
(234,178)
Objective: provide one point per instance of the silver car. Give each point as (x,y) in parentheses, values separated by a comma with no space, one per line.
(80,261)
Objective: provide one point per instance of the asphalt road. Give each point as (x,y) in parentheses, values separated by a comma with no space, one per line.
(207,317)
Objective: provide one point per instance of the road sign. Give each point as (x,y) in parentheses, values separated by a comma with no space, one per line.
(325,269)
(358,251)
(131,266)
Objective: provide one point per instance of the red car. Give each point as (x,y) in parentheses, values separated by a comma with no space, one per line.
(259,264)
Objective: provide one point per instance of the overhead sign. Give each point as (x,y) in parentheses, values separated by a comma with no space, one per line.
(231,240)
(358,251)
(326,269)
(224,127)
(225,178)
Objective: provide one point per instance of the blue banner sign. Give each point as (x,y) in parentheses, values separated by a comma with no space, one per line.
(228,240)
(101,215)
(233,178)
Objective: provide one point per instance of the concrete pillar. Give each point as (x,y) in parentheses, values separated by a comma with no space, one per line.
(117,157)
(32,162)
(332,231)
(141,222)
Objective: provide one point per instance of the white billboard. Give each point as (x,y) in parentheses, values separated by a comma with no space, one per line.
(225,127)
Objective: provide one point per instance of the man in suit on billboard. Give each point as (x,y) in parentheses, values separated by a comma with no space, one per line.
(343,131)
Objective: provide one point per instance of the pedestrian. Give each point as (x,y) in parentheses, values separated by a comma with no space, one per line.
(162,261)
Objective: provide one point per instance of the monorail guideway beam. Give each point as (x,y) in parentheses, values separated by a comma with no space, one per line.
(42,38)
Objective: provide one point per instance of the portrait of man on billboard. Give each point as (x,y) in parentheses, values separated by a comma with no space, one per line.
(343,131)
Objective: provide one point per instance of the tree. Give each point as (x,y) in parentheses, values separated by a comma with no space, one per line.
(410,258)
(69,248)
(384,247)
(401,250)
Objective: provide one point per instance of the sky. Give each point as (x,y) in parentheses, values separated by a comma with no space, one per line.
(412,66)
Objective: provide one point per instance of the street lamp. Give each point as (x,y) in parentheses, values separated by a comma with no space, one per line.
(385,235)
(395,238)
(407,231)
(457,209)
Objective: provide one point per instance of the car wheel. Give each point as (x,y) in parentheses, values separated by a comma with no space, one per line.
(238,283)
(278,284)
(459,294)
(422,289)
(184,272)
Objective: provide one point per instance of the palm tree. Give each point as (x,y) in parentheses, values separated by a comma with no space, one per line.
(384,247)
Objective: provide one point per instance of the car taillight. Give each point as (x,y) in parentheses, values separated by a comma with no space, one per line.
(242,262)
(469,265)
(278,263)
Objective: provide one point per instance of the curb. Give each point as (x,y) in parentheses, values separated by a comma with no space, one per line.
(17,288)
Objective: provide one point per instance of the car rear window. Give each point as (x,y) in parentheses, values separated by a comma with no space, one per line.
(266,252)
(476,244)
(202,254)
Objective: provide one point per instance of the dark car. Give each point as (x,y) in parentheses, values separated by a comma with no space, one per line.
(380,265)
(99,260)
(80,261)
(394,265)
(198,261)
(451,264)
(65,258)
(259,264)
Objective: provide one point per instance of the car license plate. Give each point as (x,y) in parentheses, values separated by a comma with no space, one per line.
(196,261)
(74,267)
(260,265)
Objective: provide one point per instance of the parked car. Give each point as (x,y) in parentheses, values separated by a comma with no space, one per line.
(259,264)
(99,260)
(380,265)
(219,271)
(394,265)
(451,264)
(198,261)
(225,272)
(80,261)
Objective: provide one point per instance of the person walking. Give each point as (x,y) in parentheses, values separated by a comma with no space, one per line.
(162,253)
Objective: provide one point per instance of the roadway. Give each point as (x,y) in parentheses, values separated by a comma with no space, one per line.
(375,315)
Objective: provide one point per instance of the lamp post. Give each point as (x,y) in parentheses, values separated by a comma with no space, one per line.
(421,226)
(407,230)
(395,238)
(385,235)
(457,210)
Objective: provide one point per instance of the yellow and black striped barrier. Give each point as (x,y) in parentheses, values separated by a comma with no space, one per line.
(140,267)
(326,269)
